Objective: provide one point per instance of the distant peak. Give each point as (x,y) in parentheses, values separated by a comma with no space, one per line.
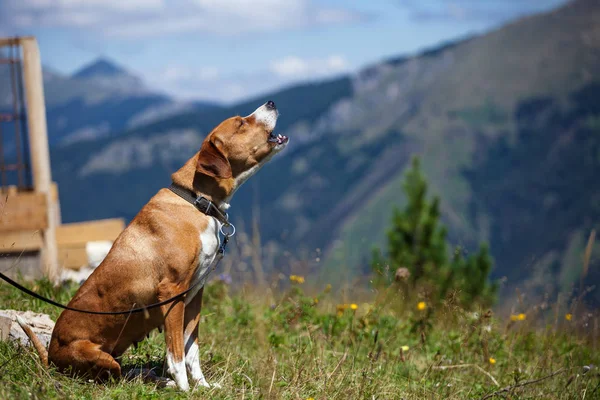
(101,67)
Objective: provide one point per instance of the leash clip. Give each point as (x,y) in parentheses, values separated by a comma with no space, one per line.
(230,233)
(226,234)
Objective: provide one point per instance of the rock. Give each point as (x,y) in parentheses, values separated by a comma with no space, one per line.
(402,274)
(41,324)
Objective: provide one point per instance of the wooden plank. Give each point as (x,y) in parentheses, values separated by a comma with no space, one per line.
(54,192)
(83,232)
(55,202)
(72,257)
(72,239)
(37,132)
(22,211)
(13,41)
(5,324)
(16,242)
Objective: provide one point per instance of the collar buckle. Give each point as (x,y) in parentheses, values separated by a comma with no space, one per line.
(202,204)
(198,203)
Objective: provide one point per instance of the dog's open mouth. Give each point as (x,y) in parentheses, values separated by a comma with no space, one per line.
(278,139)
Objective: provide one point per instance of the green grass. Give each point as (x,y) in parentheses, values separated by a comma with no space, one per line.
(292,345)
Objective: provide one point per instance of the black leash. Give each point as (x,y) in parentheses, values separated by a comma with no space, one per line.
(54,303)
(220,253)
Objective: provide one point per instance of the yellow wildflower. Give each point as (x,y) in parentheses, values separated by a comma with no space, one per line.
(492,360)
(569,316)
(316,300)
(297,278)
(521,317)
(310,398)
(513,317)
(328,288)
(421,306)
(343,307)
(405,348)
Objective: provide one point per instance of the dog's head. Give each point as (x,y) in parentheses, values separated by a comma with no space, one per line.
(241,145)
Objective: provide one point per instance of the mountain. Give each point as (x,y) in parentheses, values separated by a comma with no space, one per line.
(99,100)
(100,68)
(507,125)
(111,76)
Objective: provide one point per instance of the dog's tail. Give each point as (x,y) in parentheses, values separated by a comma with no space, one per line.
(39,347)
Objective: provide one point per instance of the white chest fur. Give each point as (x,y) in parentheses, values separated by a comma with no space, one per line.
(209,239)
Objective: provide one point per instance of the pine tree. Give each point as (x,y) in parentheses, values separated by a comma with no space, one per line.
(417,241)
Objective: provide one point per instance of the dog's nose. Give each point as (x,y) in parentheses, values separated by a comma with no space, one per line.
(271,105)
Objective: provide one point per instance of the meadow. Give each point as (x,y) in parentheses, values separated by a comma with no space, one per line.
(291,341)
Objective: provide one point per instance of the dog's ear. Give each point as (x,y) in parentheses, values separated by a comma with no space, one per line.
(212,161)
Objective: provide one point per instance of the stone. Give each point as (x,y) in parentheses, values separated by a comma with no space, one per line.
(41,324)
(402,274)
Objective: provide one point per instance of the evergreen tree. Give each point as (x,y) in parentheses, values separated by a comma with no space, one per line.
(417,241)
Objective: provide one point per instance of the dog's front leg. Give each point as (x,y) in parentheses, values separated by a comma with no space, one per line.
(192,351)
(174,314)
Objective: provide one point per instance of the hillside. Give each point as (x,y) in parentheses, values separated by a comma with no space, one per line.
(474,112)
(506,125)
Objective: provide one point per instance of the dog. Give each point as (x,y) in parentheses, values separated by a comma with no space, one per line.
(162,252)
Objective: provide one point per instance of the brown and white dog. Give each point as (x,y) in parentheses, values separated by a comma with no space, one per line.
(163,251)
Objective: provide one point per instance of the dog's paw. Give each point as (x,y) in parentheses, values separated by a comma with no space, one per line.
(170,383)
(201,383)
(204,383)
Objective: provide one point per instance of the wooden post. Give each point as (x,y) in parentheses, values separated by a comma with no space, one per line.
(38,148)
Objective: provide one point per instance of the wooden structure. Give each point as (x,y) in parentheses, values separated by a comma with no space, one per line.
(30,219)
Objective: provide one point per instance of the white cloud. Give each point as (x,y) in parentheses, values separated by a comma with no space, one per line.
(42,5)
(208,73)
(264,11)
(177,73)
(337,64)
(290,66)
(208,82)
(141,18)
(334,16)
(299,68)
(470,10)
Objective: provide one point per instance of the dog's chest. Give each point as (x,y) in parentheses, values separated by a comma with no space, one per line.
(209,240)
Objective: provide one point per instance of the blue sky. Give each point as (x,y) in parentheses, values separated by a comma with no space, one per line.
(227,50)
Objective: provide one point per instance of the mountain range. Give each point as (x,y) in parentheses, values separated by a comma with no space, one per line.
(98,100)
(507,125)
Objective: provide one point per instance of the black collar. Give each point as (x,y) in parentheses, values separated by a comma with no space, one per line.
(201,203)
